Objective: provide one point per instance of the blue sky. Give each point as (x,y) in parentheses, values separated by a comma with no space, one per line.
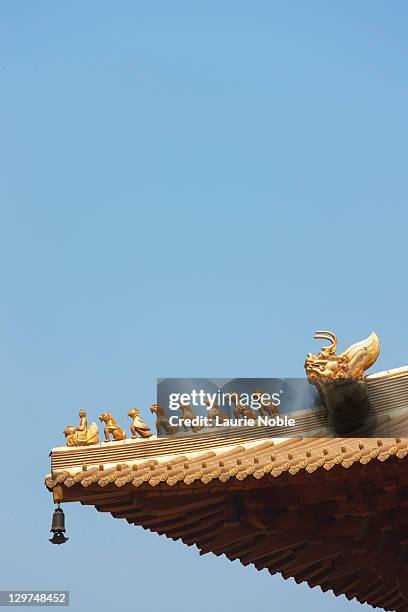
(187,189)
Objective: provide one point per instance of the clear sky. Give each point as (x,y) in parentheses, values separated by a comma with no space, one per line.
(187,189)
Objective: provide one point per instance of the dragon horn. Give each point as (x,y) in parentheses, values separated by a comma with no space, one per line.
(327,335)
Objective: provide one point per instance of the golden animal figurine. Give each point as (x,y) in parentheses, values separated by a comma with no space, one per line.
(241,410)
(111,427)
(214,412)
(187,413)
(162,422)
(267,408)
(349,365)
(82,435)
(138,426)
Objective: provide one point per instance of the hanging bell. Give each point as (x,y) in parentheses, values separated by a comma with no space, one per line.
(58,527)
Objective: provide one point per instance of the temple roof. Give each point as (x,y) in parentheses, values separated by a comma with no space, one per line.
(120,464)
(332,512)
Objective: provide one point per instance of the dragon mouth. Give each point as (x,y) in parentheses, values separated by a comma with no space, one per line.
(315,370)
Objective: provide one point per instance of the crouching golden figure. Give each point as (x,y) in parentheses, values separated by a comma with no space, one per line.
(82,435)
(138,426)
(350,365)
(162,422)
(111,427)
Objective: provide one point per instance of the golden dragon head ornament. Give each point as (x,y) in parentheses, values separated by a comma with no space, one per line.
(351,364)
